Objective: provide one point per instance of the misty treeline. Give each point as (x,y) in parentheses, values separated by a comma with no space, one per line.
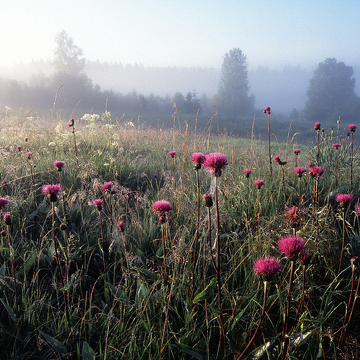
(71,84)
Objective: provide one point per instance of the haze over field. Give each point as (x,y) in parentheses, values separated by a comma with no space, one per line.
(283,41)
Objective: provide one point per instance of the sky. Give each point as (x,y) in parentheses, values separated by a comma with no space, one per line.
(184,33)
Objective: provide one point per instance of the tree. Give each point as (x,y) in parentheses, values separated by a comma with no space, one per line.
(233,93)
(331,92)
(68,56)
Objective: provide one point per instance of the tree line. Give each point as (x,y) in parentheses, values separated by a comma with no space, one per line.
(330,93)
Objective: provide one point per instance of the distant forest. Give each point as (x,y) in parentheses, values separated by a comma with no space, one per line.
(135,87)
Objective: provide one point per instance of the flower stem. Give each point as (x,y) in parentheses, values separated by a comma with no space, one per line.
(197,229)
(343,239)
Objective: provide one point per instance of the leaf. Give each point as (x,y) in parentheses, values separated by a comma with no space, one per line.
(241,313)
(66,287)
(9,310)
(206,293)
(189,350)
(142,294)
(87,352)
(55,344)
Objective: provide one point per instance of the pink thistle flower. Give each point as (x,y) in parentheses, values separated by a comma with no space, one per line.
(317,126)
(297,151)
(162,207)
(4,182)
(3,233)
(215,163)
(71,123)
(155,176)
(247,172)
(311,164)
(7,218)
(267,110)
(29,154)
(3,202)
(291,246)
(98,203)
(278,160)
(294,216)
(197,159)
(19,147)
(208,200)
(354,260)
(51,191)
(121,226)
(336,146)
(107,186)
(172,153)
(316,171)
(358,210)
(352,127)
(267,267)
(344,199)
(259,183)
(299,171)
(59,165)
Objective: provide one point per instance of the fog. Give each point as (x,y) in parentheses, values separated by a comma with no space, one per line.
(284,89)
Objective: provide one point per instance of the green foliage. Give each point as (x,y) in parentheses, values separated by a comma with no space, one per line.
(142,309)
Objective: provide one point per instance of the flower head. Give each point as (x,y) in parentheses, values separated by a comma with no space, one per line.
(70,123)
(172,153)
(98,203)
(161,207)
(51,191)
(317,126)
(19,147)
(278,160)
(215,163)
(291,246)
(107,186)
(297,151)
(59,165)
(336,146)
(267,110)
(311,164)
(344,200)
(247,172)
(267,267)
(28,155)
(3,203)
(316,171)
(259,183)
(26,139)
(299,171)
(121,225)
(197,159)
(155,176)
(352,127)
(4,182)
(294,216)
(7,218)
(358,210)
(208,200)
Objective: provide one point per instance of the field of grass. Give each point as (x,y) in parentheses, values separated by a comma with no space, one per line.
(77,283)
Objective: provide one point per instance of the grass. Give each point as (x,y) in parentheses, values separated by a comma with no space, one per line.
(140,308)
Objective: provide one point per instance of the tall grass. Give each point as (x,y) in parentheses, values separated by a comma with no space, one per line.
(146,297)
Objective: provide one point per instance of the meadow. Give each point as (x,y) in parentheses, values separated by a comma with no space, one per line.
(110,250)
